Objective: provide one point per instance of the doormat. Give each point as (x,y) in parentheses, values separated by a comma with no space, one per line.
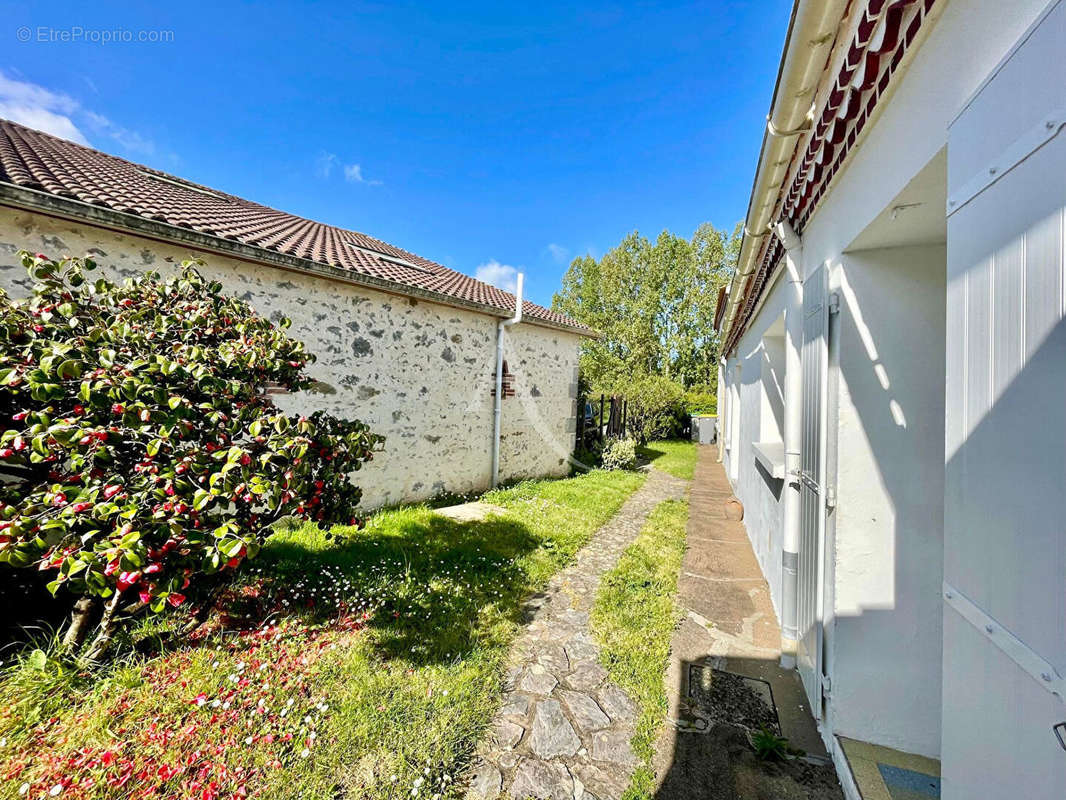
(720,696)
(906,784)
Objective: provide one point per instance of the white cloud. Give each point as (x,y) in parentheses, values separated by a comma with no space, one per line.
(131,140)
(42,119)
(34,96)
(502,276)
(61,115)
(39,108)
(325,163)
(558,253)
(353,173)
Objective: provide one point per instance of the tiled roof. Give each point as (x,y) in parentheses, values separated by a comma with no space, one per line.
(35,160)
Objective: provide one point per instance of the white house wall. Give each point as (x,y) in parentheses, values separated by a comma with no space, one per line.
(888,549)
(885,689)
(760,493)
(418,372)
(884,643)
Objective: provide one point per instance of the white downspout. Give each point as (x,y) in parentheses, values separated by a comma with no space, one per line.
(723,392)
(793,436)
(811,35)
(501,327)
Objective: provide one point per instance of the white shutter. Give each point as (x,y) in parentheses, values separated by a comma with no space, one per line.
(1005,503)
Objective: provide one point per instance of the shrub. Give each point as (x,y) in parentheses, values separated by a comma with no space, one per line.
(619,454)
(142,450)
(701,400)
(656,408)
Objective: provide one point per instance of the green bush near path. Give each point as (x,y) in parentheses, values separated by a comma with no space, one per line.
(366,666)
(633,618)
(674,456)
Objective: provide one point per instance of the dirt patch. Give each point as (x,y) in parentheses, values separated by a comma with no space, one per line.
(720,765)
(720,696)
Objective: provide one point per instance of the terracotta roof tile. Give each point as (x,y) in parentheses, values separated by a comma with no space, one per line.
(36,160)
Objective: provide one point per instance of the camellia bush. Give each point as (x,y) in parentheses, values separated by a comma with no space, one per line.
(141,450)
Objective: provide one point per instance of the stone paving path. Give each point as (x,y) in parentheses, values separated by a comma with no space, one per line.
(563,730)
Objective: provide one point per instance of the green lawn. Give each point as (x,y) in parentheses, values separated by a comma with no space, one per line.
(634,617)
(675,456)
(364,667)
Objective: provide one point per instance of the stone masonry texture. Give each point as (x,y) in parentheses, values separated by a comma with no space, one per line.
(417,372)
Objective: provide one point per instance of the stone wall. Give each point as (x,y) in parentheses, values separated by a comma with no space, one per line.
(418,372)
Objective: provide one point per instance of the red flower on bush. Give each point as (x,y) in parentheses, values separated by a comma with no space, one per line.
(151,411)
(126,580)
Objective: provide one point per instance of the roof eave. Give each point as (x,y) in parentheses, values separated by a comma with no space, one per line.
(21,197)
(810,37)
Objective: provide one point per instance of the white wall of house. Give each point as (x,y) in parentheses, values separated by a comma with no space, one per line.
(888,548)
(883,612)
(418,372)
(759,404)
(885,623)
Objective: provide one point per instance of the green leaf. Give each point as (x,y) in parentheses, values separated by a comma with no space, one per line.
(231,548)
(69,369)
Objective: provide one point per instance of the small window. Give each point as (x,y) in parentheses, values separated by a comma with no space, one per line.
(772,388)
(508,382)
(182,184)
(403,262)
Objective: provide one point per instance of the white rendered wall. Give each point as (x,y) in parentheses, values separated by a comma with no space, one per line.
(418,372)
(967,39)
(759,492)
(888,549)
(1005,505)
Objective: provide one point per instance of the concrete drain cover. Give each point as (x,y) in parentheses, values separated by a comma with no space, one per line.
(720,696)
(471,512)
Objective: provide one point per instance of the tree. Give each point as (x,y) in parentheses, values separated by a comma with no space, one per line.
(653,305)
(142,450)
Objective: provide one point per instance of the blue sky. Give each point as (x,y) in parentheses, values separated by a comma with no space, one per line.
(474,134)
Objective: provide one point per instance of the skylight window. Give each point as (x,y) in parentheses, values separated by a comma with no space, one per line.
(386,257)
(182,184)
